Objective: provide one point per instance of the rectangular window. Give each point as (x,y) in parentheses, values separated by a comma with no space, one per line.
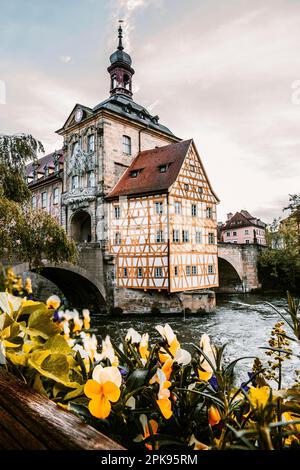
(176,238)
(186,187)
(162,168)
(158,272)
(126,145)
(159,236)
(200,190)
(210,269)
(194,270)
(175,270)
(75,182)
(44,200)
(228,234)
(90,179)
(185,236)
(209,212)
(140,272)
(159,208)
(33,202)
(91,143)
(117,212)
(194,210)
(234,234)
(177,207)
(211,238)
(188,270)
(55,196)
(248,241)
(125,272)
(118,238)
(198,237)
(246,232)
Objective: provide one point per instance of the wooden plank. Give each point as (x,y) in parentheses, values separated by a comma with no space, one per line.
(21,435)
(52,426)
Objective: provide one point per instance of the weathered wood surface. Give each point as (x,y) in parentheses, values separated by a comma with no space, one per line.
(30,421)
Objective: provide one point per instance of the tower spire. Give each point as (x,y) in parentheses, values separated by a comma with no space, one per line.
(120,31)
(120,69)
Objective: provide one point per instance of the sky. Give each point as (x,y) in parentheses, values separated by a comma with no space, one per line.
(225,73)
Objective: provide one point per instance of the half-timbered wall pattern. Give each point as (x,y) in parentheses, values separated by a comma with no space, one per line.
(167,241)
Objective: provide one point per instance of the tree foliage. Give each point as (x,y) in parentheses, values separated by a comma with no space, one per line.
(279,264)
(26,235)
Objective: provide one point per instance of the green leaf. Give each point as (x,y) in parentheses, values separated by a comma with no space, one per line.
(74,393)
(41,323)
(38,385)
(57,364)
(136,379)
(57,344)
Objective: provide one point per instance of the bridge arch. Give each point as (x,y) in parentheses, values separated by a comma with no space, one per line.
(79,287)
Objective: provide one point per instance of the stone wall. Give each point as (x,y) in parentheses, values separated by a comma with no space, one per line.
(139,302)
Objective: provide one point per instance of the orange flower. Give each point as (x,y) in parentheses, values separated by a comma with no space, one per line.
(103,389)
(213,416)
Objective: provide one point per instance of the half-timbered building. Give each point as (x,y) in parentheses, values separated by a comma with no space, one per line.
(162,220)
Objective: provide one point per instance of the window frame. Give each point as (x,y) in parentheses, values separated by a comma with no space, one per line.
(46,199)
(127,145)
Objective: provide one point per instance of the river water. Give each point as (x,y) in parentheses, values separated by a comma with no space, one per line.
(244,322)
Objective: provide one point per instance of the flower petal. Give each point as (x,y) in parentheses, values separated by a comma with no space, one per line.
(100,407)
(92,388)
(165,407)
(107,374)
(111,391)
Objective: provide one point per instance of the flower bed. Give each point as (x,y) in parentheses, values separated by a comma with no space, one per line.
(144,394)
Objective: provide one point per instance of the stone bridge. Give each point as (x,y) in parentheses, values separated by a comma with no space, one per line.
(238,267)
(83,283)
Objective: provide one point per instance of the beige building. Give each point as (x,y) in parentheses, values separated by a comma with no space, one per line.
(101,148)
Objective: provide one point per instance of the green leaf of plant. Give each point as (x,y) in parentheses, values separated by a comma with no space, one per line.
(136,379)
(74,393)
(57,344)
(40,323)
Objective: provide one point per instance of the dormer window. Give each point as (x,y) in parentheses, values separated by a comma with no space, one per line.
(134,173)
(163,168)
(46,170)
(155,119)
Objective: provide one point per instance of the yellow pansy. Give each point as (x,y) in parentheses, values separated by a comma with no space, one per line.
(108,352)
(53,302)
(86,318)
(213,415)
(163,400)
(259,396)
(288,416)
(206,370)
(103,389)
(143,346)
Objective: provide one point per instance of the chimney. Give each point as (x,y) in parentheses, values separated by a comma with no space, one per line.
(229,215)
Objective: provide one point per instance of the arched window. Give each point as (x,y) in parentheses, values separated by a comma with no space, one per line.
(126,81)
(114,81)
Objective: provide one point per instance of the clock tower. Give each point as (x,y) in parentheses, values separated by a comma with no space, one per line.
(120,70)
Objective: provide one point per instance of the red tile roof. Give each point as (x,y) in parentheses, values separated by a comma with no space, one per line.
(150,179)
(242,219)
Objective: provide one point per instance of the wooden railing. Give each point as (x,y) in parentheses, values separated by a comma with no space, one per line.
(31,421)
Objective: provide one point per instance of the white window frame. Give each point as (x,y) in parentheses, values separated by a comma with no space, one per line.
(55,196)
(159,207)
(194,210)
(176,235)
(185,236)
(211,238)
(126,145)
(118,238)
(198,237)
(188,270)
(159,236)
(194,270)
(139,273)
(178,207)
(44,200)
(117,212)
(91,143)
(210,269)
(158,272)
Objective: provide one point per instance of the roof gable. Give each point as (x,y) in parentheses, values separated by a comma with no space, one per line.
(87,112)
(150,178)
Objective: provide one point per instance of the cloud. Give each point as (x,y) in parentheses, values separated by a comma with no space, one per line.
(65,59)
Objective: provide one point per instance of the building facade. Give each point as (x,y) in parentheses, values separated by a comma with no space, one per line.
(242,228)
(148,244)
